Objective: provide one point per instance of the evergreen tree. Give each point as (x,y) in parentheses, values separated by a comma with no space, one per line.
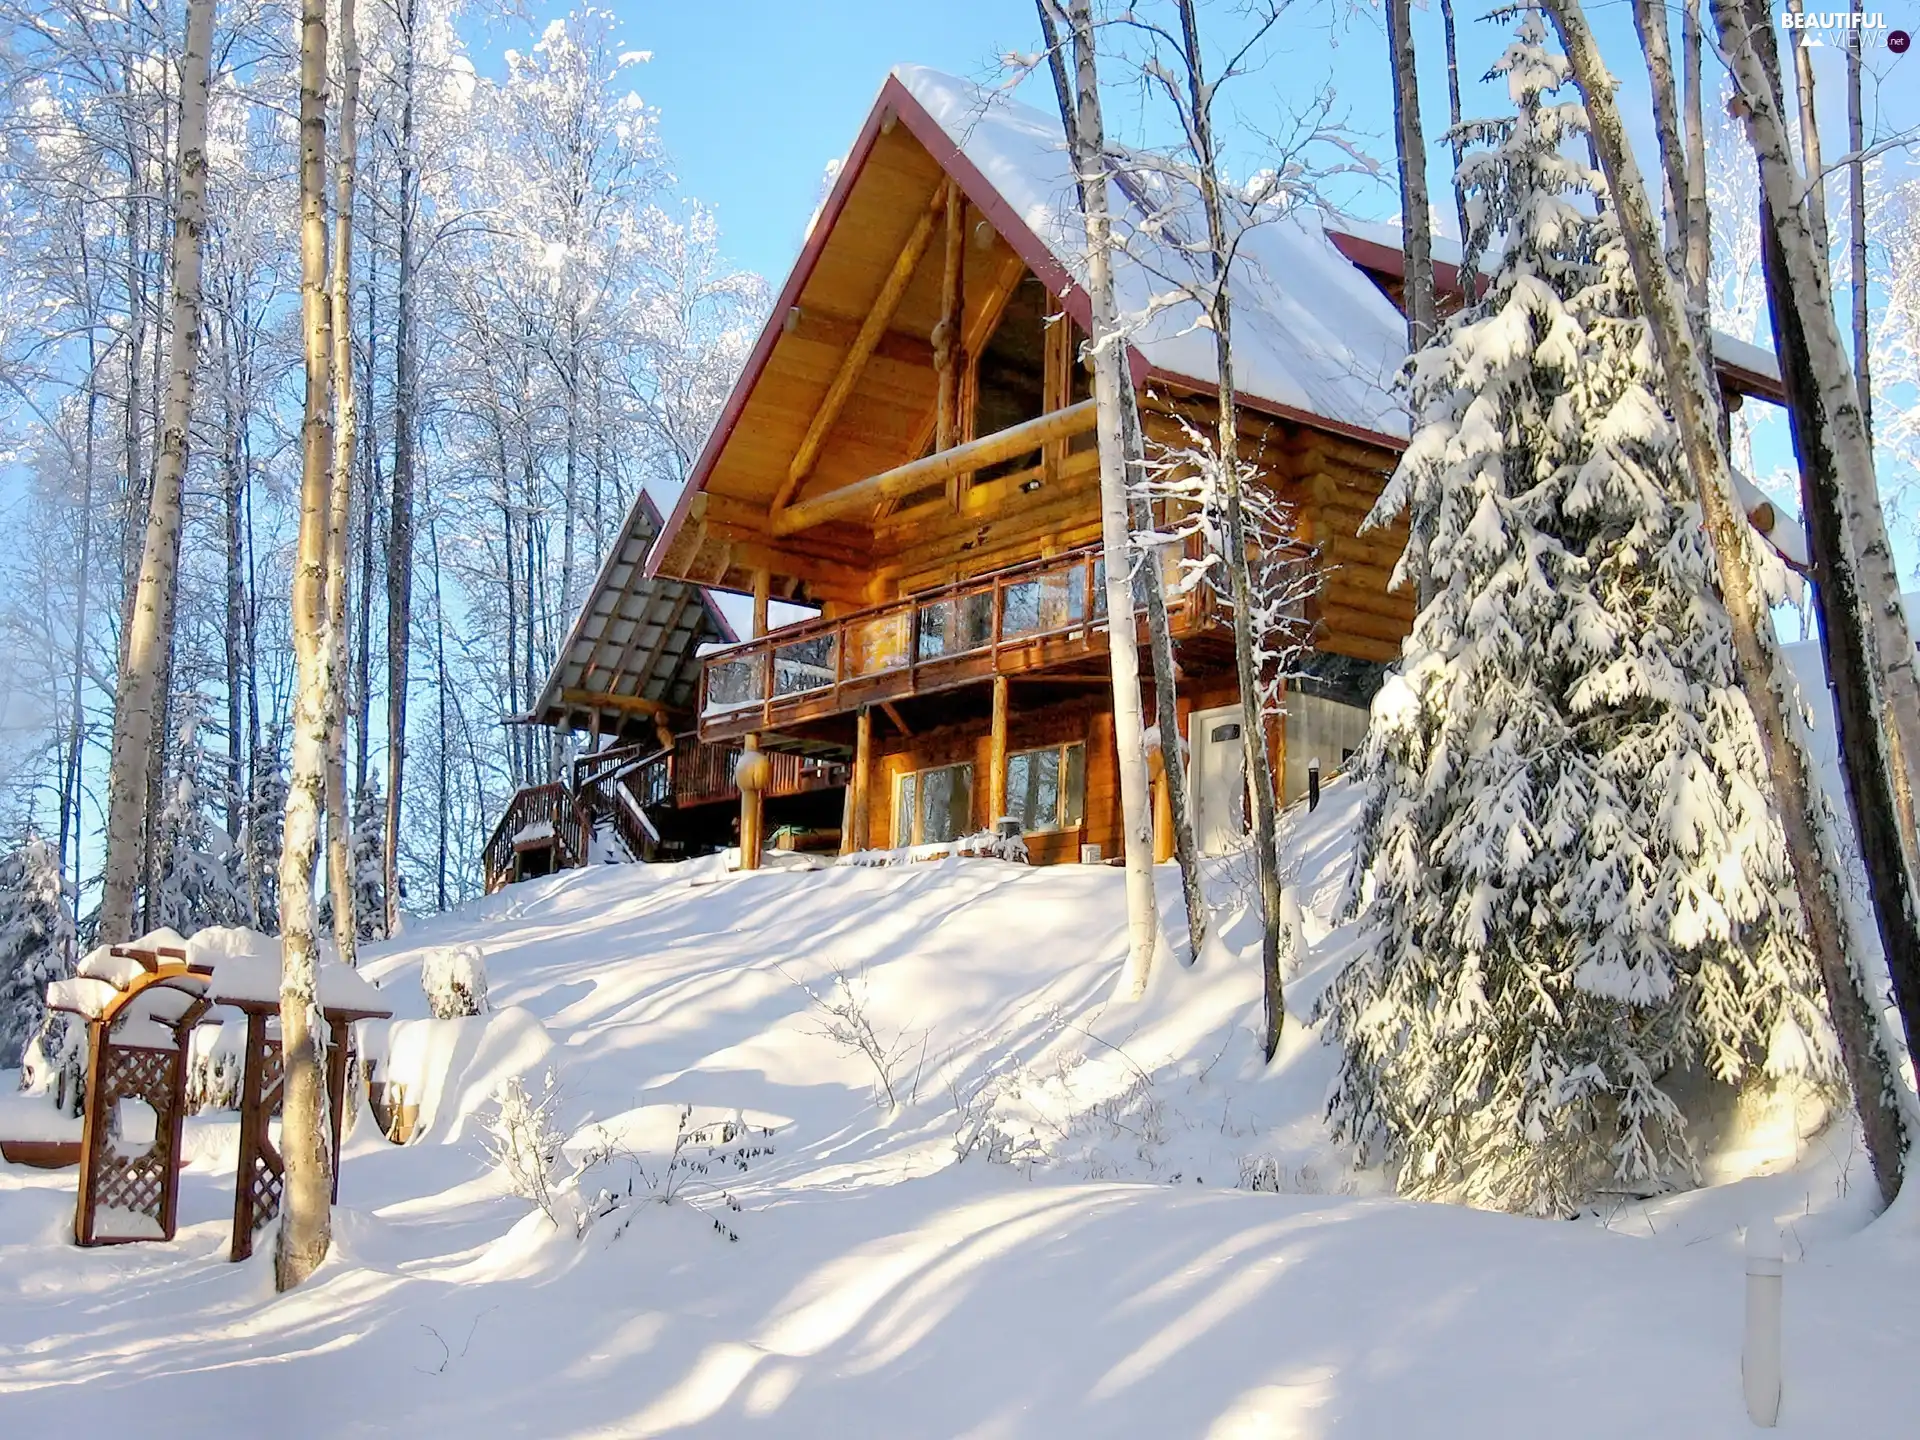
(202,879)
(368,863)
(36,943)
(1570,878)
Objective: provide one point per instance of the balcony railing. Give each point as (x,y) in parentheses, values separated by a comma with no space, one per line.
(1028,617)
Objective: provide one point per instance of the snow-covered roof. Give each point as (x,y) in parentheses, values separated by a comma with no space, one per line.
(1312,336)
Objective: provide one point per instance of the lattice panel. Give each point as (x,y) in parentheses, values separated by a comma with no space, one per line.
(269,1178)
(138,1183)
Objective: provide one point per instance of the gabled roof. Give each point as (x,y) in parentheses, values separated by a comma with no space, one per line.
(1314,340)
(633,652)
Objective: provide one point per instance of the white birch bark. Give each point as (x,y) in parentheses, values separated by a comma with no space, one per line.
(1801,227)
(340,500)
(1764,678)
(1416,223)
(1159,632)
(1109,380)
(1246,644)
(138,701)
(306,1220)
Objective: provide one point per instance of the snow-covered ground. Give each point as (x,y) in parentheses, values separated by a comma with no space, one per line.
(1098,1264)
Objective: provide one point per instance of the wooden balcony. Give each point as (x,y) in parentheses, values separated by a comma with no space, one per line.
(1042,615)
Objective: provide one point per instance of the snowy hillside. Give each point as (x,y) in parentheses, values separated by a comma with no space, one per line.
(1105,1260)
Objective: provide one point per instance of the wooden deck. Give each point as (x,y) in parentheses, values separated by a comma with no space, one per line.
(1044,615)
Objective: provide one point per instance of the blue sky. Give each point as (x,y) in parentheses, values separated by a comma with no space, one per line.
(757,96)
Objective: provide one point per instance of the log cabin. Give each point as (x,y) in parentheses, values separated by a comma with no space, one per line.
(909,455)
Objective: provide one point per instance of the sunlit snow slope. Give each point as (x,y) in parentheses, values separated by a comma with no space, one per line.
(1095,1266)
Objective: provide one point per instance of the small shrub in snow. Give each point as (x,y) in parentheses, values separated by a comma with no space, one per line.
(523,1142)
(216,1057)
(845,1020)
(691,1173)
(455,979)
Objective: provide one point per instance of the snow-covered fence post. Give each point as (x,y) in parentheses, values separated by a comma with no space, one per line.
(1760,1348)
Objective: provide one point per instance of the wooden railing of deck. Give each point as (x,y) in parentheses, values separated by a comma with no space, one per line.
(1027,617)
(555,806)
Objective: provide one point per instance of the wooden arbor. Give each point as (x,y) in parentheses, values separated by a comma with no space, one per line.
(140,1006)
(253,988)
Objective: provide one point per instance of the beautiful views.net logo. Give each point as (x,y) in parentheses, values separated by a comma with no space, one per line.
(1846,29)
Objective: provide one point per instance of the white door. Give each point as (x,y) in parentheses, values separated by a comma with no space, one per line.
(1219,778)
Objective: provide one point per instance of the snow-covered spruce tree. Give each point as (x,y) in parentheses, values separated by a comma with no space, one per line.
(202,880)
(36,943)
(368,864)
(1571,883)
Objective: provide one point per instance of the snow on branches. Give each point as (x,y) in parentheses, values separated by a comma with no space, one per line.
(1574,886)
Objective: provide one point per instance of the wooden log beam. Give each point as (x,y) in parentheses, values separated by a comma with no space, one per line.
(948,360)
(841,333)
(892,291)
(864,495)
(894,715)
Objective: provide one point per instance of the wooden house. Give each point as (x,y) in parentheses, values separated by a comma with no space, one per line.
(910,454)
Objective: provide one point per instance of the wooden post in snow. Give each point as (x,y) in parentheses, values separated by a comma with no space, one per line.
(753,766)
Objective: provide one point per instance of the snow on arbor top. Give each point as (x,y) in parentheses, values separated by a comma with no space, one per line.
(245,966)
(246,971)
(1311,334)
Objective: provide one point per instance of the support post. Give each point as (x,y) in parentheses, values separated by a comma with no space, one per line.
(856,837)
(997,756)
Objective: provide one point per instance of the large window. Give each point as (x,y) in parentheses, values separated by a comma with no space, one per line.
(1047,789)
(931,806)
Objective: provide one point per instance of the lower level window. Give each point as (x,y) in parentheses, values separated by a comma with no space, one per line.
(932,806)
(1047,789)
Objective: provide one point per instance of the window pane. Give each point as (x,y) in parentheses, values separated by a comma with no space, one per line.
(946,803)
(1034,790)
(903,812)
(1075,800)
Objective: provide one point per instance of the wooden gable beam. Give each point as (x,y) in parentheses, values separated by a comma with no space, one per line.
(863,495)
(871,330)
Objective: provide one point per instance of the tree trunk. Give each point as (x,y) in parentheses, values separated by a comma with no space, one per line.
(400,535)
(1866,758)
(1110,379)
(1159,628)
(306,1221)
(1816,198)
(1246,645)
(1764,679)
(1747,37)
(1454,141)
(1699,224)
(75,789)
(340,498)
(150,634)
(1857,237)
(1656,42)
(1416,224)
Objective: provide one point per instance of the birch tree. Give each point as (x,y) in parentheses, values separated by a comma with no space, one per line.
(340,861)
(1768,687)
(139,697)
(1159,628)
(1410,147)
(1864,631)
(306,1225)
(1087,143)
